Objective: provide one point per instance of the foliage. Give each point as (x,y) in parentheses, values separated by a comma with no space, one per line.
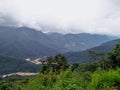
(66,80)
(114,55)
(58,75)
(105,79)
(5,85)
(54,63)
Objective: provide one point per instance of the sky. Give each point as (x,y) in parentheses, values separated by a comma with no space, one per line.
(63,16)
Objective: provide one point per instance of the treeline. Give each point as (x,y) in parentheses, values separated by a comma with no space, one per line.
(57,74)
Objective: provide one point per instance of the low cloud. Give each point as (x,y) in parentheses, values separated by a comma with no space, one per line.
(64,16)
(6,20)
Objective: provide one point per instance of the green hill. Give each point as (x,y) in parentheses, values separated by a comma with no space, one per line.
(11,65)
(25,42)
(83,56)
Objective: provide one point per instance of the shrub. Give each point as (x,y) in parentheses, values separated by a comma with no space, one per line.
(105,79)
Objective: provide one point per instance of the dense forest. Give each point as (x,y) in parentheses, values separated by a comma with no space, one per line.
(57,74)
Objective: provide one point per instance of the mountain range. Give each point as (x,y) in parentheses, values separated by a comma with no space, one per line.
(78,42)
(84,56)
(25,42)
(19,43)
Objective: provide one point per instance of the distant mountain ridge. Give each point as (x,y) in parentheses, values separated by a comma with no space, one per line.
(79,42)
(25,42)
(16,44)
(83,56)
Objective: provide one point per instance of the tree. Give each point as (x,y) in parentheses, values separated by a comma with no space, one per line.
(100,59)
(55,63)
(114,55)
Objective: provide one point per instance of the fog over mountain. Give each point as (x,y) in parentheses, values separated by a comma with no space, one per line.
(65,16)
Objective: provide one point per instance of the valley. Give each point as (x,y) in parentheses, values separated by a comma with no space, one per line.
(20,43)
(54,57)
(25,42)
(59,44)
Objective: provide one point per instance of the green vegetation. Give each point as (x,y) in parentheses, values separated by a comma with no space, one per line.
(11,65)
(55,64)
(57,74)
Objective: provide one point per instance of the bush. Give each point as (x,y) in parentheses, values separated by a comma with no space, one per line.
(105,79)
(65,80)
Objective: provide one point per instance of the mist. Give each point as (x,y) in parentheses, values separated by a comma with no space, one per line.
(63,16)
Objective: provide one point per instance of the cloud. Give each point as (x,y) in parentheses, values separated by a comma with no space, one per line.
(110,25)
(66,16)
(6,20)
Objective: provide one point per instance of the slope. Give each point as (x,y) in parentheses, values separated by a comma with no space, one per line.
(25,42)
(78,42)
(10,65)
(83,56)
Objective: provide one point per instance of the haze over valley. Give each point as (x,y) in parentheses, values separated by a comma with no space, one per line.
(59,45)
(23,42)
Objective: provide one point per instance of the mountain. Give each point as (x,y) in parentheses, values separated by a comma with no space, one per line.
(83,56)
(10,65)
(78,42)
(25,42)
(16,44)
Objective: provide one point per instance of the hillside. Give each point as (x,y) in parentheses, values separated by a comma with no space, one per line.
(57,74)
(83,56)
(10,65)
(25,42)
(78,42)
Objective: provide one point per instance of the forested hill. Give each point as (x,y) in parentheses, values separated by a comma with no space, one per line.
(11,65)
(84,56)
(25,42)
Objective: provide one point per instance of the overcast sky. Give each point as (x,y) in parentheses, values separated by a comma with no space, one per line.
(66,16)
